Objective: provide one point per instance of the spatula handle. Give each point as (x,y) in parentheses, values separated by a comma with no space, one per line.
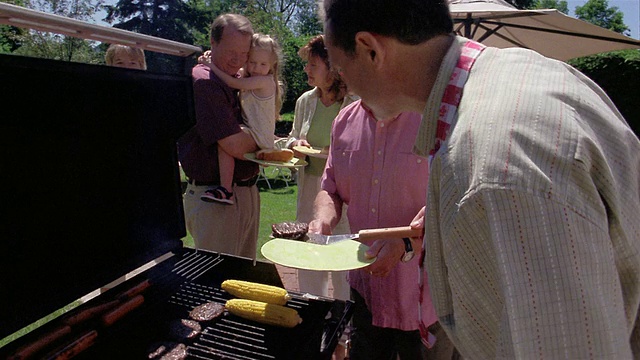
(393,232)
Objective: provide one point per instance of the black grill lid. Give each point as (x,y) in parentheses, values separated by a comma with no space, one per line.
(89,178)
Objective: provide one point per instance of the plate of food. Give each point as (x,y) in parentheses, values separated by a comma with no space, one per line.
(275,157)
(313,151)
(289,247)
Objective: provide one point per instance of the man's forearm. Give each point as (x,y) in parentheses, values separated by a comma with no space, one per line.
(327,211)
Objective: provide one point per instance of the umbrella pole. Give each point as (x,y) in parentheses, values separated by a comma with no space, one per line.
(467,26)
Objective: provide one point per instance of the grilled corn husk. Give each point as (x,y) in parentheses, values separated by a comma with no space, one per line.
(255,291)
(264,313)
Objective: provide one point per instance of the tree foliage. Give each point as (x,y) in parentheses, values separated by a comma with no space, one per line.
(291,22)
(49,45)
(168,19)
(9,35)
(10,38)
(74,9)
(613,71)
(294,75)
(599,13)
(522,4)
(560,5)
(307,21)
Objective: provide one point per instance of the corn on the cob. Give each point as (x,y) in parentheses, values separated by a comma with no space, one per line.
(264,313)
(258,292)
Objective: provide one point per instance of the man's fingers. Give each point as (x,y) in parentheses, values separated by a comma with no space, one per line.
(374,249)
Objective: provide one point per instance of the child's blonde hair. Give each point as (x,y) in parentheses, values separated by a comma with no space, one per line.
(266,42)
(135,53)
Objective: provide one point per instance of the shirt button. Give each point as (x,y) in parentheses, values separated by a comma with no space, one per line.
(375,181)
(419,161)
(344,153)
(373,210)
(381,124)
(379,152)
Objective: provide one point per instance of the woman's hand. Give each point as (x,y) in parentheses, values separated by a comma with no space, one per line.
(300,142)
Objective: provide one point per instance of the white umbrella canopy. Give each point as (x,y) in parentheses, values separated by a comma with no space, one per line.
(497,23)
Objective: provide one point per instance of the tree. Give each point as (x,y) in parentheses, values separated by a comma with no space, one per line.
(75,9)
(59,47)
(522,4)
(294,73)
(50,45)
(599,13)
(9,35)
(612,72)
(182,21)
(560,5)
(306,20)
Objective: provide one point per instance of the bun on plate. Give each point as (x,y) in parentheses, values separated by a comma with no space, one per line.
(283,155)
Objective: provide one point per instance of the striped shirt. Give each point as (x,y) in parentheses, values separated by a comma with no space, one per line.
(533,213)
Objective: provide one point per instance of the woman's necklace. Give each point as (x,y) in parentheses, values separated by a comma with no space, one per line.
(327,100)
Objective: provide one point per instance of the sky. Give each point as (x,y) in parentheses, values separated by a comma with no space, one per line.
(630,8)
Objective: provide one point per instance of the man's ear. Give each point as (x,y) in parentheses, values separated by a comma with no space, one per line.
(371,46)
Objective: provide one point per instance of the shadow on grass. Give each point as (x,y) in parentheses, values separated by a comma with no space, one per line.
(278,187)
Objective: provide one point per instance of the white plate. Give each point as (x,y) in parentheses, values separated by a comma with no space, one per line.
(293,163)
(311,151)
(340,256)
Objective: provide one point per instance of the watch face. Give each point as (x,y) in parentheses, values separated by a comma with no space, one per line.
(408,250)
(407,256)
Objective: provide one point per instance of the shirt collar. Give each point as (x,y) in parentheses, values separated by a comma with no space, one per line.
(426,138)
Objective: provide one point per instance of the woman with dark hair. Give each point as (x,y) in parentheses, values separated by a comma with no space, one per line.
(314,114)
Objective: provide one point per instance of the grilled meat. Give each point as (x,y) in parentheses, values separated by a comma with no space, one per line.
(290,230)
(207,311)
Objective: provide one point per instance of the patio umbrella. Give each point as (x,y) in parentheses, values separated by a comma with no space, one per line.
(497,23)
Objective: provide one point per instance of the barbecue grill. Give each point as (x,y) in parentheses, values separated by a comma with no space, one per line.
(91,190)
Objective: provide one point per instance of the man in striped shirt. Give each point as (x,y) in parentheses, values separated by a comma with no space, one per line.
(532,225)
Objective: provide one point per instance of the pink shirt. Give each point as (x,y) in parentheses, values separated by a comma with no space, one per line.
(371,167)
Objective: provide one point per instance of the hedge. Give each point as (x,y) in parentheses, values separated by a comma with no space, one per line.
(618,74)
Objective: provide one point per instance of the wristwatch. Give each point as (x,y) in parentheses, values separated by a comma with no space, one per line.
(408,250)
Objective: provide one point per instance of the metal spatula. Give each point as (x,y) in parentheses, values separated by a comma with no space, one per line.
(371,234)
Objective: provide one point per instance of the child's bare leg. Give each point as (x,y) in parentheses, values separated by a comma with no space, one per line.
(227,166)
(222,193)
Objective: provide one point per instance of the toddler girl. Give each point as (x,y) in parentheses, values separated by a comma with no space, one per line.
(260,100)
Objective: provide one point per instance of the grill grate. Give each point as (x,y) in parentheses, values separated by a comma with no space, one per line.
(192,278)
(196,264)
(192,294)
(225,337)
(231,340)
